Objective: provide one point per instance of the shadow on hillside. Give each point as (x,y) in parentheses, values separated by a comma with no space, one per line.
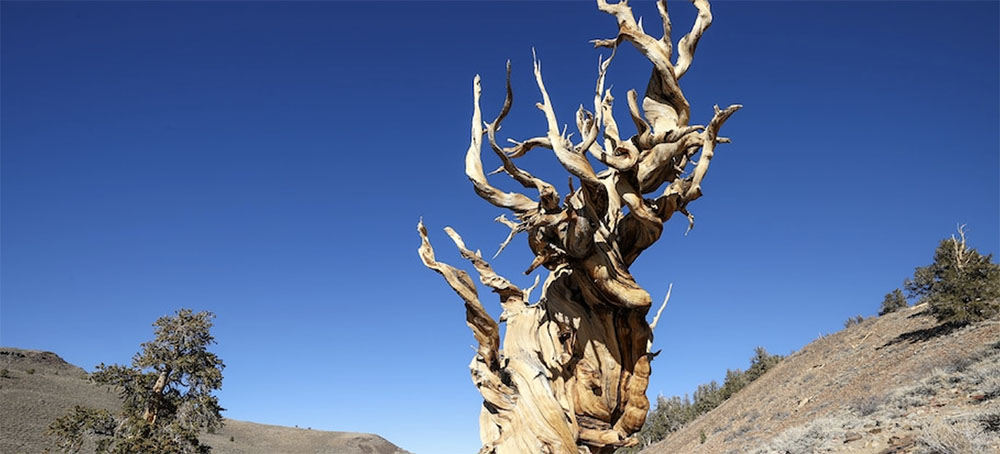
(926,334)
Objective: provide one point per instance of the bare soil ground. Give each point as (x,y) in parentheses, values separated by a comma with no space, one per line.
(253,438)
(38,387)
(896,384)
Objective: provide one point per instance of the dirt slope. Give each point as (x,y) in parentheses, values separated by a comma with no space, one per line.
(891,385)
(253,438)
(39,387)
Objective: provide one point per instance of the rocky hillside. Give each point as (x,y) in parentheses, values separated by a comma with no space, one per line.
(895,384)
(37,387)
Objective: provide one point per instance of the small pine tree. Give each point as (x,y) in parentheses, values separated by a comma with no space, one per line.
(892,302)
(961,286)
(851,321)
(673,413)
(761,362)
(707,396)
(166,395)
(736,379)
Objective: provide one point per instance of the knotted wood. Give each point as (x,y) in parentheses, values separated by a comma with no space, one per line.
(571,374)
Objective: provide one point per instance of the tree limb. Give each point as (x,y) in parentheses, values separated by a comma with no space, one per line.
(574,163)
(474,166)
(687,45)
(484,328)
(710,135)
(664,105)
(548,196)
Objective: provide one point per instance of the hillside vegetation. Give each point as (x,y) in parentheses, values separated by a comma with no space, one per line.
(37,387)
(670,414)
(924,379)
(900,383)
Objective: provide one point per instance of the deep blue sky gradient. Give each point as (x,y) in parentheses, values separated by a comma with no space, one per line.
(269,161)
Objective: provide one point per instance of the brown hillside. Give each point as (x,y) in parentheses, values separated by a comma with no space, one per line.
(891,385)
(253,438)
(39,387)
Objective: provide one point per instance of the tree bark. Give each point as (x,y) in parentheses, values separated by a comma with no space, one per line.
(572,372)
(149,414)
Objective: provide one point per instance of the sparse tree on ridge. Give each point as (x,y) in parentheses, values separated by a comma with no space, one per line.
(961,286)
(672,414)
(892,302)
(573,370)
(853,321)
(166,395)
(761,362)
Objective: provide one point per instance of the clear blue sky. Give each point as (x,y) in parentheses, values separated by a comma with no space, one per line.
(269,162)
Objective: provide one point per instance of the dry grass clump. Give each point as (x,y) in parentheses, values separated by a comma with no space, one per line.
(815,436)
(865,406)
(902,399)
(961,437)
(990,422)
(979,373)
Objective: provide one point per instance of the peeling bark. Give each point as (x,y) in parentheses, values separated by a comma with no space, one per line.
(571,374)
(149,413)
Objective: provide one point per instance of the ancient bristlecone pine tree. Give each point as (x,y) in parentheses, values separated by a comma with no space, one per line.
(572,372)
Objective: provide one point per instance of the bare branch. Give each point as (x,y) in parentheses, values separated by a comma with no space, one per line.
(711,134)
(590,125)
(508,101)
(664,105)
(687,45)
(510,294)
(690,217)
(474,166)
(527,291)
(616,153)
(630,30)
(520,148)
(961,250)
(656,318)
(575,163)
(661,6)
(633,108)
(515,228)
(611,135)
(484,328)
(548,196)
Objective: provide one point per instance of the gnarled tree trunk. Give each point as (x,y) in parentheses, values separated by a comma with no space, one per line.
(572,372)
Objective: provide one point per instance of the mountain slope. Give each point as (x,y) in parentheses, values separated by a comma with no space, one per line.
(253,438)
(38,387)
(894,384)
